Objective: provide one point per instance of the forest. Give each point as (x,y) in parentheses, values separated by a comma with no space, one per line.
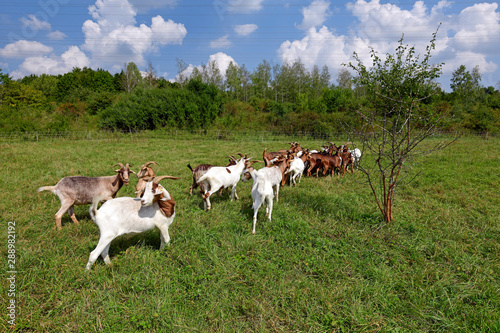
(281,98)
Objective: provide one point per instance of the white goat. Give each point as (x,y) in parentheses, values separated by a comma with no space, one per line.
(356,156)
(276,174)
(297,167)
(262,191)
(222,177)
(127,215)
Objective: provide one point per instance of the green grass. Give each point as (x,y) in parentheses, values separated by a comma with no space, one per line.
(325,263)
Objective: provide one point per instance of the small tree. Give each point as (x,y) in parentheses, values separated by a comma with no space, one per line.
(4,81)
(396,123)
(466,86)
(344,79)
(150,79)
(130,77)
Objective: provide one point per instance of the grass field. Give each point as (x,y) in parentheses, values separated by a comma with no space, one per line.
(326,263)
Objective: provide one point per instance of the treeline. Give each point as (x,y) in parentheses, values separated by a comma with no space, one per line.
(286,97)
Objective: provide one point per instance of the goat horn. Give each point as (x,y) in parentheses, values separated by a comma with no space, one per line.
(241,155)
(157,179)
(148,163)
(119,164)
(232,157)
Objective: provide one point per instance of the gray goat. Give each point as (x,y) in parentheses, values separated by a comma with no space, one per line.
(79,190)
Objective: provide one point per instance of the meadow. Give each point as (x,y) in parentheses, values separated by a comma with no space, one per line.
(325,263)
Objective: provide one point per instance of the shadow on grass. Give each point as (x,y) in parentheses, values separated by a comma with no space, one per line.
(120,245)
(342,208)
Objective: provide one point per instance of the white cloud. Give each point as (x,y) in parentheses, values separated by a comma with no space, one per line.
(56,35)
(113,13)
(323,47)
(245,29)
(384,24)
(467,38)
(477,28)
(469,59)
(167,32)
(53,65)
(24,48)
(223,60)
(244,6)
(34,23)
(315,14)
(222,42)
(113,37)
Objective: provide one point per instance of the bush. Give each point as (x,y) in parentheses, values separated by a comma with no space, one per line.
(195,107)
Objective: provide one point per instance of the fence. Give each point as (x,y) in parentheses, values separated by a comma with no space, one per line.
(207,135)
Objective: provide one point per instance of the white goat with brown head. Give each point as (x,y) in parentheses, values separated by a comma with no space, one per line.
(127,215)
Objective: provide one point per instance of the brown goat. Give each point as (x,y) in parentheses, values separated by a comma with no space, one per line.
(326,162)
(347,159)
(144,174)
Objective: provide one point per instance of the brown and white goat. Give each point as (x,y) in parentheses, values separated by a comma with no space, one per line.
(199,171)
(79,190)
(144,174)
(126,215)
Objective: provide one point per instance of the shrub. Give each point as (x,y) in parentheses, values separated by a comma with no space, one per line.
(197,106)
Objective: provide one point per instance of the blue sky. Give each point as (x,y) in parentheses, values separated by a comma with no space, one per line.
(54,36)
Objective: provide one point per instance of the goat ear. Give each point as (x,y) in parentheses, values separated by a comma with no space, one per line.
(159,189)
(117,171)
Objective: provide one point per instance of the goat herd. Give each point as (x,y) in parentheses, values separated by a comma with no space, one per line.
(153,206)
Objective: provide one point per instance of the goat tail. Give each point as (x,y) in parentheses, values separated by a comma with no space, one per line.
(46,188)
(189,166)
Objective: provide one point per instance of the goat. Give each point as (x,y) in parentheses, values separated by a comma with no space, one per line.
(275,174)
(270,157)
(326,162)
(295,147)
(79,190)
(346,159)
(262,191)
(356,156)
(222,177)
(297,166)
(144,174)
(128,215)
(199,171)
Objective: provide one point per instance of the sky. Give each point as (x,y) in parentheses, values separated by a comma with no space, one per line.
(54,36)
